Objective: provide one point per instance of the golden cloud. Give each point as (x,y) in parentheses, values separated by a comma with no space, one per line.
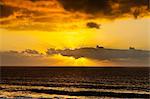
(47,14)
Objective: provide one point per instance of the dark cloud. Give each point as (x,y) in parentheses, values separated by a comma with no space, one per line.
(93,25)
(29,51)
(89,6)
(6,10)
(37,0)
(33,0)
(110,8)
(14,58)
(121,57)
(101,53)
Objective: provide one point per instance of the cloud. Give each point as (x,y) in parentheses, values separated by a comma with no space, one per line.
(105,8)
(19,59)
(88,6)
(6,10)
(42,15)
(101,53)
(34,0)
(29,51)
(118,57)
(10,10)
(14,58)
(97,8)
(47,15)
(93,25)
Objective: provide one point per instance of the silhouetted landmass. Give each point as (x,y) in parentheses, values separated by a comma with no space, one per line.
(101,53)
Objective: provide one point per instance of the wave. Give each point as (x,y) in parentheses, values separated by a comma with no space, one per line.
(81,85)
(93,93)
(75,92)
(89,93)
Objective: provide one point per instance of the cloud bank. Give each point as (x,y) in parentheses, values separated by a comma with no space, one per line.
(45,15)
(107,8)
(67,58)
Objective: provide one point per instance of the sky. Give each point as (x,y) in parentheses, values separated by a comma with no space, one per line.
(60,24)
(41,24)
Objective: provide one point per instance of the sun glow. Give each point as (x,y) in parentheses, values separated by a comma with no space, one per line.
(71,61)
(109,35)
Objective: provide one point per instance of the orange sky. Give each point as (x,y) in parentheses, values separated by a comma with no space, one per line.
(44,24)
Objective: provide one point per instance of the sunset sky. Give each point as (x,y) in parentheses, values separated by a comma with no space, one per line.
(59,24)
(42,24)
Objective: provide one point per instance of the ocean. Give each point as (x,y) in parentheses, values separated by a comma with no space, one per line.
(74,82)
